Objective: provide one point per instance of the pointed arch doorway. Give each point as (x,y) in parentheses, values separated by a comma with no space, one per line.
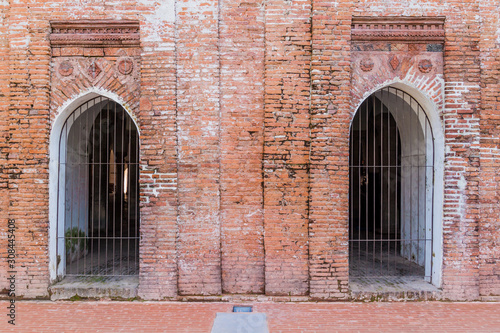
(98,192)
(391,190)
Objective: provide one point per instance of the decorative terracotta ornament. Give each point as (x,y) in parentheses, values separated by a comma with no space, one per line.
(366,64)
(94,70)
(125,66)
(65,68)
(425,66)
(394,62)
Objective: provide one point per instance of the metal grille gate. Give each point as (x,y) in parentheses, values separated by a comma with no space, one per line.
(98,193)
(391,188)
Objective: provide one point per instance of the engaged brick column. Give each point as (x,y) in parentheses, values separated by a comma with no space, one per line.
(489,194)
(198,121)
(27,165)
(157,114)
(330,120)
(286,146)
(461,120)
(241,143)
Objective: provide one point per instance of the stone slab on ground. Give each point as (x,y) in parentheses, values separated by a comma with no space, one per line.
(240,322)
(123,288)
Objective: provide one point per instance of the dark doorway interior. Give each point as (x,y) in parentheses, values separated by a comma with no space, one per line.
(378,233)
(107,242)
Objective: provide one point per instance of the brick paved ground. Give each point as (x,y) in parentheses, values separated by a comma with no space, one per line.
(106,316)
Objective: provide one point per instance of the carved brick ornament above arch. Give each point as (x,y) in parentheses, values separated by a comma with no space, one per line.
(406,29)
(95,55)
(397,49)
(95,33)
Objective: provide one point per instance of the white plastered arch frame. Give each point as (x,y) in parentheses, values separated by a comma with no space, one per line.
(433,111)
(63,112)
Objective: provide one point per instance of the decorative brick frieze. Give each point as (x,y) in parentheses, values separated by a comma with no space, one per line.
(94,33)
(407,29)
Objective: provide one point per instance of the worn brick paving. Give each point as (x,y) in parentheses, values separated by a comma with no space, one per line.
(103,316)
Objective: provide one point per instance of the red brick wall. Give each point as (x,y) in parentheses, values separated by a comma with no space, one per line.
(286,145)
(159,177)
(330,119)
(244,110)
(461,119)
(27,160)
(241,143)
(489,231)
(198,134)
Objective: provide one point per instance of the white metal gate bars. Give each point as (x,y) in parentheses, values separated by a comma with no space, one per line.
(98,192)
(391,188)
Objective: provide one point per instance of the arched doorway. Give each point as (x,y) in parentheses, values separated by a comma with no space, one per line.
(98,192)
(391,190)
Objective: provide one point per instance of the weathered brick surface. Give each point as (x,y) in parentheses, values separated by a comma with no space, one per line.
(286,145)
(244,109)
(461,120)
(241,144)
(489,231)
(158,175)
(198,135)
(330,119)
(27,161)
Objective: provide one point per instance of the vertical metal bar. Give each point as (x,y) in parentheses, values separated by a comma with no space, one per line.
(69,184)
(80,163)
(122,169)
(424,167)
(374,162)
(380,124)
(418,187)
(108,176)
(86,161)
(100,167)
(63,236)
(115,146)
(352,143)
(389,172)
(404,178)
(59,181)
(127,193)
(137,201)
(411,182)
(397,179)
(87,170)
(403,195)
(386,185)
(360,114)
(367,168)
(394,172)
(432,198)
(135,179)
(92,200)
